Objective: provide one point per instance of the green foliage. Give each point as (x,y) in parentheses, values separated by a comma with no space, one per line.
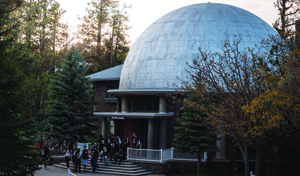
(195,134)
(71,111)
(41,32)
(103,34)
(94,140)
(17,131)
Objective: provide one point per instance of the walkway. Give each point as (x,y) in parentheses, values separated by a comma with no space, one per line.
(63,172)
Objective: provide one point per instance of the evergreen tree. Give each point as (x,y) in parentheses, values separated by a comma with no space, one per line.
(71,111)
(195,134)
(17,131)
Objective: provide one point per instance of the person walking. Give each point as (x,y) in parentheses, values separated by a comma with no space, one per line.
(105,153)
(85,157)
(95,155)
(100,143)
(73,156)
(67,152)
(45,154)
(78,160)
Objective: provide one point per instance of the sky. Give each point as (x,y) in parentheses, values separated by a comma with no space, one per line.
(144,12)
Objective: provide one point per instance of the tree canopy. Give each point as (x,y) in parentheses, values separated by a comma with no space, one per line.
(71,111)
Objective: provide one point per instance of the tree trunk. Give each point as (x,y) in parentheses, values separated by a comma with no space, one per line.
(112,42)
(244,151)
(99,31)
(258,162)
(199,163)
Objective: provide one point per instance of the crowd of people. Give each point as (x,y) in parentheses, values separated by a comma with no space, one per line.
(110,148)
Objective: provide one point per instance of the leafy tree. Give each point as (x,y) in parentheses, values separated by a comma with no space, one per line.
(103,35)
(17,130)
(195,135)
(42,33)
(71,111)
(287,10)
(235,78)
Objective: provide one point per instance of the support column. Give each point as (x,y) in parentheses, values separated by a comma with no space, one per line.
(162,104)
(119,104)
(163,126)
(150,134)
(104,127)
(220,156)
(125,105)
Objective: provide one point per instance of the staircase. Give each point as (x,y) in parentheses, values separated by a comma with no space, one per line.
(126,168)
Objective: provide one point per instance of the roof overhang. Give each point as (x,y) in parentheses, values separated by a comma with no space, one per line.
(135,115)
(141,91)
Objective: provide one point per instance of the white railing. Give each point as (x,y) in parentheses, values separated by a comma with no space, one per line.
(80,145)
(70,173)
(161,155)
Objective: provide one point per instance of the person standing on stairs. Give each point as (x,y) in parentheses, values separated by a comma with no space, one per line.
(95,155)
(105,154)
(126,144)
(100,143)
(78,160)
(85,157)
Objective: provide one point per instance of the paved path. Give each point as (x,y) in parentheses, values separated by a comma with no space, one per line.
(64,172)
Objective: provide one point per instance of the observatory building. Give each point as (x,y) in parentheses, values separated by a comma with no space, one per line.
(132,97)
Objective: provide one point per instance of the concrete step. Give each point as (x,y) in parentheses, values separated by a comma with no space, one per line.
(115,166)
(114,172)
(123,164)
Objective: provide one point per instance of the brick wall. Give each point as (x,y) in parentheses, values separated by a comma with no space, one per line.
(100,88)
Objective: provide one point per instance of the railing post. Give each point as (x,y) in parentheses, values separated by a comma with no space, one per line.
(161,155)
(127,153)
(68,172)
(172,153)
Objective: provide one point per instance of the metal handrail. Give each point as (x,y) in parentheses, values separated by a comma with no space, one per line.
(161,155)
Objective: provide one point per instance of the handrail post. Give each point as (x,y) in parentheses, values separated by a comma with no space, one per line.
(127,153)
(172,153)
(161,155)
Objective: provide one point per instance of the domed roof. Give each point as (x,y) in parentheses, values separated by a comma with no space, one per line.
(161,52)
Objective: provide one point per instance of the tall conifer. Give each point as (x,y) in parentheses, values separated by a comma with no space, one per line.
(17,131)
(71,111)
(195,134)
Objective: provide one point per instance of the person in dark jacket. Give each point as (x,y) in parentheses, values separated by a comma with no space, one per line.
(125,144)
(100,143)
(46,154)
(78,160)
(120,155)
(105,153)
(95,155)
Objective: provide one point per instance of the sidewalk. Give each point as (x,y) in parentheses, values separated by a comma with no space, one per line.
(64,172)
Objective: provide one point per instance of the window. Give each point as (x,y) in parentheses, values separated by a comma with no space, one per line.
(111,126)
(110,88)
(146,103)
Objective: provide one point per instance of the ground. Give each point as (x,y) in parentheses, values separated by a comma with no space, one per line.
(64,172)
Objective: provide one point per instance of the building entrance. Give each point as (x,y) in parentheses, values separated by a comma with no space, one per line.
(130,126)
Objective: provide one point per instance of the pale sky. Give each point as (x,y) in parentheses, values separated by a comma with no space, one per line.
(144,12)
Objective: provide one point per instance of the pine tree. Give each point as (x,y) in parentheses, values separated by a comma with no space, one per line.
(195,134)
(71,111)
(17,131)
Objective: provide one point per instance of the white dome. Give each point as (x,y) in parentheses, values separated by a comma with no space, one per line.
(160,54)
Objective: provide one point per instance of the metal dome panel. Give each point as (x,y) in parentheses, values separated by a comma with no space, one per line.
(160,54)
